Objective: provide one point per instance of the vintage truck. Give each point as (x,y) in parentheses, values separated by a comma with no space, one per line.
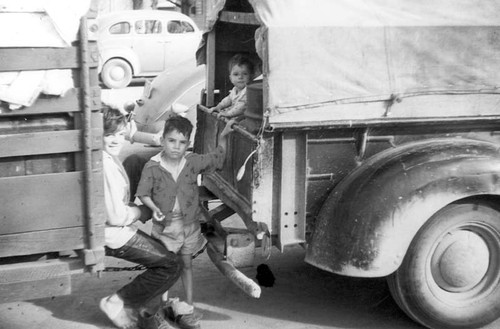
(374,142)
(51,183)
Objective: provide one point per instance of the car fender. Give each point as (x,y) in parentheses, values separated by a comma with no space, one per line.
(183,84)
(122,53)
(369,219)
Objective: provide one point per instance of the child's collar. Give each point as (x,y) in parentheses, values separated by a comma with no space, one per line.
(157,157)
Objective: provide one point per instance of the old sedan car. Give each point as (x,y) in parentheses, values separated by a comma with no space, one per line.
(143,43)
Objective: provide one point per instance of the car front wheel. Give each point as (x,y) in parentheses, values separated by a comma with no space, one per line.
(450,276)
(116,73)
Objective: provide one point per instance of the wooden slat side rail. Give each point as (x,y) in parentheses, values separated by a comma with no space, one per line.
(88,141)
(26,59)
(70,102)
(34,279)
(44,202)
(46,142)
(63,239)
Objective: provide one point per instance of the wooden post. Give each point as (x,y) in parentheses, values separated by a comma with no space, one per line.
(210,78)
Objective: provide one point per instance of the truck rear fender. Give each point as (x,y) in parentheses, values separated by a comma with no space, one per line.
(369,220)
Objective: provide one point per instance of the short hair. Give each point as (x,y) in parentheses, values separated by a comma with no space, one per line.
(241,60)
(179,123)
(113,119)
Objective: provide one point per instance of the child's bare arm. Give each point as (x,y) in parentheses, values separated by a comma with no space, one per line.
(237,110)
(224,103)
(157,214)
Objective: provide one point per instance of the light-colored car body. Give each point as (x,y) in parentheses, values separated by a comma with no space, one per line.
(175,92)
(144,43)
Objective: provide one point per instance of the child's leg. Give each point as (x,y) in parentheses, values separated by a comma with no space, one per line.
(187,277)
(183,312)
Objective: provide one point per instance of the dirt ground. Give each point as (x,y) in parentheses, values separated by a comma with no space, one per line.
(302,297)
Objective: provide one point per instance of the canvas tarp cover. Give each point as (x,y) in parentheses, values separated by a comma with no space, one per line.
(324,54)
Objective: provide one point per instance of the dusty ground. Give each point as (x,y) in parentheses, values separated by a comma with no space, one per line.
(303,297)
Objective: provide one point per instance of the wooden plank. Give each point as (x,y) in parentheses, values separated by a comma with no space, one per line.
(43,202)
(12,167)
(93,77)
(20,244)
(69,103)
(95,121)
(47,142)
(210,75)
(221,212)
(13,292)
(229,196)
(33,124)
(24,59)
(33,280)
(24,271)
(45,164)
(96,161)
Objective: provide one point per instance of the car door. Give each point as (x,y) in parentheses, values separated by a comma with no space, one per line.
(182,40)
(115,39)
(148,44)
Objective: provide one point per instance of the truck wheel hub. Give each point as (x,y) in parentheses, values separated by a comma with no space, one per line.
(460,261)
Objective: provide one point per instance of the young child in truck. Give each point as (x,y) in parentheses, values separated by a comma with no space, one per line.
(168,186)
(241,72)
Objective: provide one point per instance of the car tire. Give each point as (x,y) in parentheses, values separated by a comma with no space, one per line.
(116,73)
(450,276)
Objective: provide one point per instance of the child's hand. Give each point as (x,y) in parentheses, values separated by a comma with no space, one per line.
(212,109)
(221,114)
(131,130)
(158,215)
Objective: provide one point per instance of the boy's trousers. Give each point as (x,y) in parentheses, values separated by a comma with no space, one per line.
(163,269)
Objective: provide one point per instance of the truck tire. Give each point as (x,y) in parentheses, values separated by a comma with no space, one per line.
(116,73)
(450,276)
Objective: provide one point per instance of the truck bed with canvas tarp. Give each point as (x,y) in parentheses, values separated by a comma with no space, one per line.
(373,141)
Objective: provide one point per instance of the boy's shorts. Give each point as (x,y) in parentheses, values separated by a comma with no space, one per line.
(179,238)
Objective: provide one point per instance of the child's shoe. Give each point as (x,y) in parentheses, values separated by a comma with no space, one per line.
(154,321)
(113,307)
(182,314)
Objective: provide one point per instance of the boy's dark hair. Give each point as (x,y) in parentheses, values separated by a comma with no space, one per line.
(241,60)
(113,119)
(179,123)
